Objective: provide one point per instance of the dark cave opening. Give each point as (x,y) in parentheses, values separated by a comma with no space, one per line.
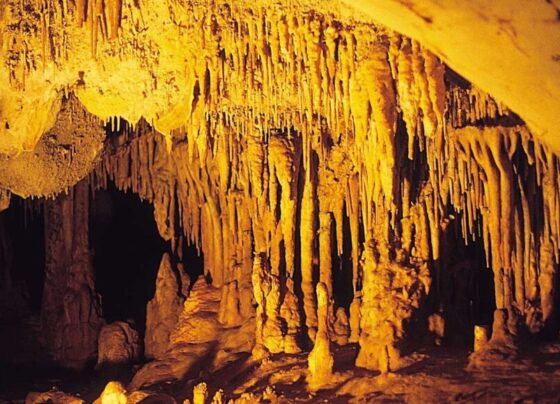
(127,249)
(342,267)
(22,256)
(464,283)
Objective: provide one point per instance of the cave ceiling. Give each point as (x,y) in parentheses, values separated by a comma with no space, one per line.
(180,62)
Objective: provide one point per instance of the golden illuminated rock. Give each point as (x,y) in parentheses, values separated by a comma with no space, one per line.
(480,337)
(436,325)
(200,393)
(219,398)
(114,393)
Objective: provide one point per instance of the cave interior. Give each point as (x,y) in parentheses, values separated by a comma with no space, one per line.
(220,200)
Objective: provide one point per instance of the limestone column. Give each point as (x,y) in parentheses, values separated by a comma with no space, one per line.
(70,312)
(325,258)
(307,237)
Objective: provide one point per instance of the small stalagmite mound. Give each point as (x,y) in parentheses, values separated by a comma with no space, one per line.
(114,393)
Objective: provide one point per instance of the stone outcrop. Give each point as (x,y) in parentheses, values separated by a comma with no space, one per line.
(113,393)
(502,348)
(116,393)
(119,346)
(52,397)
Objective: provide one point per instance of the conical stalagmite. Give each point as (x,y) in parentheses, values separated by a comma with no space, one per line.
(162,312)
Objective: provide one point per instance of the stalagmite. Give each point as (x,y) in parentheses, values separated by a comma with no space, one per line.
(119,345)
(219,397)
(114,393)
(480,337)
(162,312)
(200,393)
(341,328)
(320,360)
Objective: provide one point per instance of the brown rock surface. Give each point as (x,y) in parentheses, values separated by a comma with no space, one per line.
(119,345)
(57,397)
(70,310)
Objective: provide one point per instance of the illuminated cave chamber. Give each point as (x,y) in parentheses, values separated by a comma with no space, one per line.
(349,195)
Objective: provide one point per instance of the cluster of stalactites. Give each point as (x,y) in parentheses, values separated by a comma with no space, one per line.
(49,21)
(298,126)
(512,182)
(102,18)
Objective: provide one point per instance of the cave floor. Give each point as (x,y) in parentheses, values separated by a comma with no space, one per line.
(435,374)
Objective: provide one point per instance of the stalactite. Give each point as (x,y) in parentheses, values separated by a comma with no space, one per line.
(4,200)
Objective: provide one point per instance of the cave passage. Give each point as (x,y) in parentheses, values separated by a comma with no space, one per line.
(127,250)
(279,201)
(464,286)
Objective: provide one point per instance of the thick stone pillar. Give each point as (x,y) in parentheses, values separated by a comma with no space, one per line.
(70,311)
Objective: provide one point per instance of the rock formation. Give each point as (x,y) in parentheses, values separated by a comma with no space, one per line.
(200,393)
(52,397)
(114,393)
(119,346)
(71,314)
(162,312)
